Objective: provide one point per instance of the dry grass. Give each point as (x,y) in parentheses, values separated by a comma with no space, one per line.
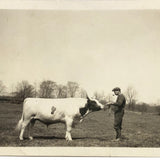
(96,130)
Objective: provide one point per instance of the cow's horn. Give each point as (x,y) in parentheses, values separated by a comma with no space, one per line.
(88,97)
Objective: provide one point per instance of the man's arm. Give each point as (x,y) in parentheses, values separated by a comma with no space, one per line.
(119,101)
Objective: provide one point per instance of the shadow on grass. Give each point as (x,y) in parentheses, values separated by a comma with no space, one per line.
(63,138)
(55,137)
(47,137)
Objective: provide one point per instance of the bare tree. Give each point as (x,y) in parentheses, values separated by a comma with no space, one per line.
(99,96)
(83,93)
(109,98)
(24,90)
(96,95)
(72,87)
(47,88)
(131,96)
(35,89)
(62,91)
(2,87)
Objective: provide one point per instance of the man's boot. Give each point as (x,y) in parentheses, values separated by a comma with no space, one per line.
(118,134)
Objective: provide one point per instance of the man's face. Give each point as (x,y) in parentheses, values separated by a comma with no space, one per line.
(116,92)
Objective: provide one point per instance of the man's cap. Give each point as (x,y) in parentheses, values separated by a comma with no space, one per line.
(116,89)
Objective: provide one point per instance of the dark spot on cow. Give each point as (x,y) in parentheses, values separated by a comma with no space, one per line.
(92,105)
(83,110)
(53,109)
(76,120)
(62,115)
(77,117)
(33,115)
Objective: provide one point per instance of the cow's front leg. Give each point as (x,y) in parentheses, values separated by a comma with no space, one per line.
(69,122)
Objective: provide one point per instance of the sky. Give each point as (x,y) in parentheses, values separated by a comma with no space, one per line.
(98,49)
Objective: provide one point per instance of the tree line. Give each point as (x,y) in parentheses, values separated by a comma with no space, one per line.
(50,89)
(46,89)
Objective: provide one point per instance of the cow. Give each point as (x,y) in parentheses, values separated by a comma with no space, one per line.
(69,111)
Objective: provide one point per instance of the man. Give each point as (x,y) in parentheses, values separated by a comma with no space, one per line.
(118,111)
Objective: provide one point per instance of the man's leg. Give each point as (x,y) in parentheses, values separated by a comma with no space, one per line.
(121,119)
(118,123)
(118,133)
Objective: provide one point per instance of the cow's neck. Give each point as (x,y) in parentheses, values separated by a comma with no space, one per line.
(83,110)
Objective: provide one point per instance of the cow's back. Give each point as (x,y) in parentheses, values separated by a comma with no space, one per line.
(42,106)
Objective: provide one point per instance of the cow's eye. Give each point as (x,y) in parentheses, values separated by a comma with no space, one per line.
(93,102)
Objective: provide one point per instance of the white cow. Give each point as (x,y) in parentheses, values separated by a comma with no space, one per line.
(50,111)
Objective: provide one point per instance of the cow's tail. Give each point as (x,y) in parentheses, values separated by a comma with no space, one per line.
(19,124)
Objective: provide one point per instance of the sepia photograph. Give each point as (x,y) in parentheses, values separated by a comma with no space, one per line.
(79,79)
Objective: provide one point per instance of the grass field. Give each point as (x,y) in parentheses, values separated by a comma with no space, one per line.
(96,130)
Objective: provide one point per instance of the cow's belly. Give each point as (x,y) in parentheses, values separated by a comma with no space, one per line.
(48,118)
(49,121)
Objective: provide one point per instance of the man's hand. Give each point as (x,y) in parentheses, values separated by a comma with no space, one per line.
(109,103)
(105,107)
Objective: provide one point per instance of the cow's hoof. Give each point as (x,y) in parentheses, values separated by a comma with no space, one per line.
(21,139)
(30,138)
(67,139)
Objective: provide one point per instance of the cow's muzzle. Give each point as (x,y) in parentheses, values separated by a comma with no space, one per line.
(96,109)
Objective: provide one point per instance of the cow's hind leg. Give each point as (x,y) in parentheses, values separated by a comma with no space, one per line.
(69,122)
(24,124)
(30,127)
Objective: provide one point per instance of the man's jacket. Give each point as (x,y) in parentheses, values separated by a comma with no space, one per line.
(120,102)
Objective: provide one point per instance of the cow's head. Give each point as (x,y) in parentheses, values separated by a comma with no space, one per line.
(94,105)
(91,106)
